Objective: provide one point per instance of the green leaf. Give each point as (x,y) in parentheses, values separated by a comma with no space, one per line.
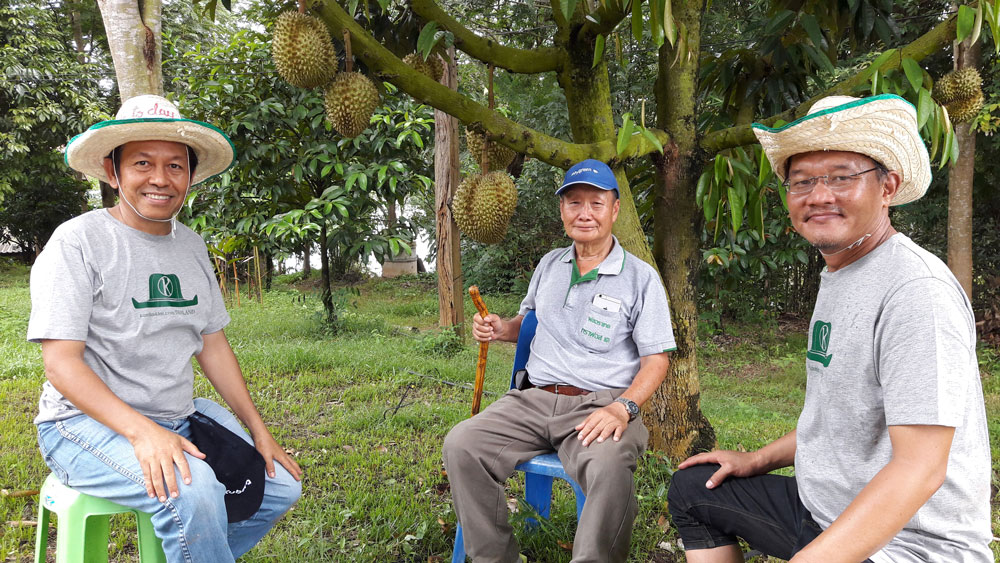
(624,134)
(735,208)
(637,20)
(598,50)
(765,167)
(966,19)
(568,7)
(977,26)
(802,257)
(427,38)
(925,105)
(699,193)
(811,26)
(669,26)
(881,59)
(652,139)
(914,73)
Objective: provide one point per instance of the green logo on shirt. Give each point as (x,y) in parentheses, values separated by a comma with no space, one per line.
(165,291)
(820,344)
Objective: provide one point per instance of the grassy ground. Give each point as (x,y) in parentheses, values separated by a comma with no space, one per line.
(365,411)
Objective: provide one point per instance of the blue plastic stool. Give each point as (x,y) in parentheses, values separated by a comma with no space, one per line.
(82,532)
(539,471)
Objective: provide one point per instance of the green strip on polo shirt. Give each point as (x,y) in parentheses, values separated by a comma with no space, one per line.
(576,278)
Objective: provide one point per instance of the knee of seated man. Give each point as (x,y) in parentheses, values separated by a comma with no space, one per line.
(687,481)
(455,448)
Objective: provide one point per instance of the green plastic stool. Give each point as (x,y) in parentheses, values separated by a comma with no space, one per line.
(82,532)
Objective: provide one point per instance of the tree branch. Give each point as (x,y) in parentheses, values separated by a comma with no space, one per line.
(610,16)
(512,134)
(522,61)
(927,44)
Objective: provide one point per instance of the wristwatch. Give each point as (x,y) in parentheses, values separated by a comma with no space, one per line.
(630,406)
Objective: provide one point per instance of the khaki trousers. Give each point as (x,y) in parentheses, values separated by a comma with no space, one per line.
(480,454)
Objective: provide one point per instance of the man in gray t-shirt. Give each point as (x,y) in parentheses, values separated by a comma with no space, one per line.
(122,299)
(891,450)
(599,351)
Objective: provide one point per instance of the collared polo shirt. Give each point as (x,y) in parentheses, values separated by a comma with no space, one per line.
(593,328)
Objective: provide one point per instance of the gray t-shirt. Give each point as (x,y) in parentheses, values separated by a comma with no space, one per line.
(892,342)
(140,302)
(592,329)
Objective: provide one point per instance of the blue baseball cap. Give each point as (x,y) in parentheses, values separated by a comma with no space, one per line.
(591,172)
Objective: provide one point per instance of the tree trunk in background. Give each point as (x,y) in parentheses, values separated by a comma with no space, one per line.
(108,196)
(449,253)
(673,415)
(960,178)
(306,264)
(134,39)
(326,296)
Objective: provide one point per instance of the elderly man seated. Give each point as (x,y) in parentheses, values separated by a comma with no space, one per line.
(599,352)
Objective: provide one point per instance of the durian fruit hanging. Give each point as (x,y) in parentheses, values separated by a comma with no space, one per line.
(432,68)
(961,91)
(498,156)
(483,205)
(302,50)
(350,101)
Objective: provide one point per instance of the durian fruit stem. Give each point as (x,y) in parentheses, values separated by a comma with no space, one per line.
(485,156)
(348,59)
(302,6)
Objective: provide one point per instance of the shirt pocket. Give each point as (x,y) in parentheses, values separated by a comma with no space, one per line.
(597,328)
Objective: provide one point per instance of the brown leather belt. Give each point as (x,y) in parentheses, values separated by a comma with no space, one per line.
(561,389)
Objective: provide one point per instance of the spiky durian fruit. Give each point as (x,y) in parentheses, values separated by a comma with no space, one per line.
(350,101)
(968,83)
(483,205)
(944,90)
(961,111)
(499,155)
(958,85)
(417,63)
(436,65)
(302,50)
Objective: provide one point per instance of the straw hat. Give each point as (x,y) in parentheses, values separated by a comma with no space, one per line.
(150,118)
(881,127)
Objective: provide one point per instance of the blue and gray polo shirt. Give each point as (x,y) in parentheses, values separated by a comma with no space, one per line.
(593,328)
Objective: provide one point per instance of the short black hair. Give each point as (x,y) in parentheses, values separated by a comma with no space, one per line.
(116,157)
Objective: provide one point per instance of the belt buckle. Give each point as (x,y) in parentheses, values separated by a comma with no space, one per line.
(555,388)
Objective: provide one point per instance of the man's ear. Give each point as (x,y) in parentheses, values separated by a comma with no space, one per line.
(890,187)
(109,170)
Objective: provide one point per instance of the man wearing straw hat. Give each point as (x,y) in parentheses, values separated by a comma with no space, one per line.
(891,450)
(122,298)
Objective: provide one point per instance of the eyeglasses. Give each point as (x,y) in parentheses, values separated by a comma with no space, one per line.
(833,183)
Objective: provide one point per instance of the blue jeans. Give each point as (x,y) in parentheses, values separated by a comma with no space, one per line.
(93,459)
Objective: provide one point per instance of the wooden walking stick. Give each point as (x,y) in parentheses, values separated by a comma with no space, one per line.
(477,390)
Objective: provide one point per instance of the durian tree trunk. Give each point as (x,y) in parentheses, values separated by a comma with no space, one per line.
(960,177)
(326,295)
(449,254)
(588,99)
(673,415)
(134,38)
(306,264)
(676,423)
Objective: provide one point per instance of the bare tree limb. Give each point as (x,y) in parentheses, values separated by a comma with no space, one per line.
(522,61)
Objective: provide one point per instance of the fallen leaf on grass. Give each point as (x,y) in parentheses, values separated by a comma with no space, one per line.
(348,448)
(434,558)
(383,449)
(666,546)
(444,525)
(663,523)
(567,545)
(512,505)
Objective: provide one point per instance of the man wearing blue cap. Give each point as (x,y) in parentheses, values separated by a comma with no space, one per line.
(599,352)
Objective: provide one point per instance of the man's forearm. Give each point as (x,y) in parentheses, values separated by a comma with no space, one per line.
(652,371)
(222,369)
(779,453)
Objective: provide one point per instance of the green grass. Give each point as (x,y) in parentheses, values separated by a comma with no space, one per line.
(365,409)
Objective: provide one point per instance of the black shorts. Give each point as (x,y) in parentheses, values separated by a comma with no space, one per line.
(764,510)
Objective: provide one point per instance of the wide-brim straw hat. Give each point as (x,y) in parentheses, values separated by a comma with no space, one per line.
(151,118)
(883,128)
